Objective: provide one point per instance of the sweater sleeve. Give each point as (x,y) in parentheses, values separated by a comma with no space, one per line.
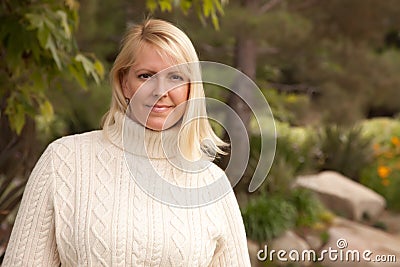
(232,247)
(32,241)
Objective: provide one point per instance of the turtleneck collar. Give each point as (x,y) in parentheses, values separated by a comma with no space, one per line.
(139,140)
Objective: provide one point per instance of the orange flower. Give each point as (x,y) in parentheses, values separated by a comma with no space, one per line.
(395,141)
(383,171)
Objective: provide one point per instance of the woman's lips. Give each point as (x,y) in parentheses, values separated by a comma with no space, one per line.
(160,108)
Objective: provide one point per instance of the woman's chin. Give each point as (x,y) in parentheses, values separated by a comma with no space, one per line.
(159,124)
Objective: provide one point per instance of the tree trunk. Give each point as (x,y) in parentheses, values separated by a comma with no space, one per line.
(245,61)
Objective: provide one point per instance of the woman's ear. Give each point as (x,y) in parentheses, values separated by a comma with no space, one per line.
(124,85)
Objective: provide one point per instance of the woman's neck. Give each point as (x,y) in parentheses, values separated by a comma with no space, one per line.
(134,138)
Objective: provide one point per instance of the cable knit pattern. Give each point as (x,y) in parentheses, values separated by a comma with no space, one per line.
(82,206)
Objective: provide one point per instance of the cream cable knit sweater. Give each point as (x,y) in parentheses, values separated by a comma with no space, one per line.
(81,207)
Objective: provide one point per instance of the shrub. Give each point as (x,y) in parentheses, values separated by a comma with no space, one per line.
(296,146)
(294,155)
(383,175)
(345,150)
(268,216)
(309,209)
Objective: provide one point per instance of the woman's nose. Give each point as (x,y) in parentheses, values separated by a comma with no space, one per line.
(160,87)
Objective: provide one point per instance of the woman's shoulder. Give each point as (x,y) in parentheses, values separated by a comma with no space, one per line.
(74,142)
(212,173)
(77,147)
(92,136)
(215,170)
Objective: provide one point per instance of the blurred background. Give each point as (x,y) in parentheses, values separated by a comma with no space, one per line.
(328,68)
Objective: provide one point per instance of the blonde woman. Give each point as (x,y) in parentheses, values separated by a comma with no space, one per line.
(91,200)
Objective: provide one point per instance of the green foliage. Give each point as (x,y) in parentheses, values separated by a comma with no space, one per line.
(309,209)
(380,130)
(268,216)
(345,150)
(321,45)
(350,88)
(296,146)
(383,175)
(38,54)
(204,9)
(295,154)
(76,111)
(281,24)
(288,107)
(37,49)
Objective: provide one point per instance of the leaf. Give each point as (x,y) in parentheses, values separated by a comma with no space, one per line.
(43,35)
(38,80)
(99,68)
(204,8)
(46,110)
(49,23)
(215,21)
(185,5)
(35,21)
(208,7)
(151,5)
(218,6)
(64,23)
(165,5)
(90,68)
(51,45)
(15,46)
(199,13)
(78,75)
(17,118)
(86,64)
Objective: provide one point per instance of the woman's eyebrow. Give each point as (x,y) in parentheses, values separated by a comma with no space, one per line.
(145,70)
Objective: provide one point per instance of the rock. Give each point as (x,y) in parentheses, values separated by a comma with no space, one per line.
(391,221)
(352,240)
(344,196)
(314,241)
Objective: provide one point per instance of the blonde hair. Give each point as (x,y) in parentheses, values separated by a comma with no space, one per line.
(197,138)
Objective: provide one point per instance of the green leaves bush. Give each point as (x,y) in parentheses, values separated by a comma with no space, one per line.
(37,50)
(295,154)
(345,150)
(383,174)
(268,216)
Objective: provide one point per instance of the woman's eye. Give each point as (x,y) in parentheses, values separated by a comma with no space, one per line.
(176,77)
(145,76)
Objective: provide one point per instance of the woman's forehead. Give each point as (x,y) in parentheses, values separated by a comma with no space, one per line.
(153,58)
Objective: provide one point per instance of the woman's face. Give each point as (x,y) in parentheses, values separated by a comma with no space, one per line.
(157,90)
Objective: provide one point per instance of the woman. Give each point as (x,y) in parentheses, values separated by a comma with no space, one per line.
(89,201)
